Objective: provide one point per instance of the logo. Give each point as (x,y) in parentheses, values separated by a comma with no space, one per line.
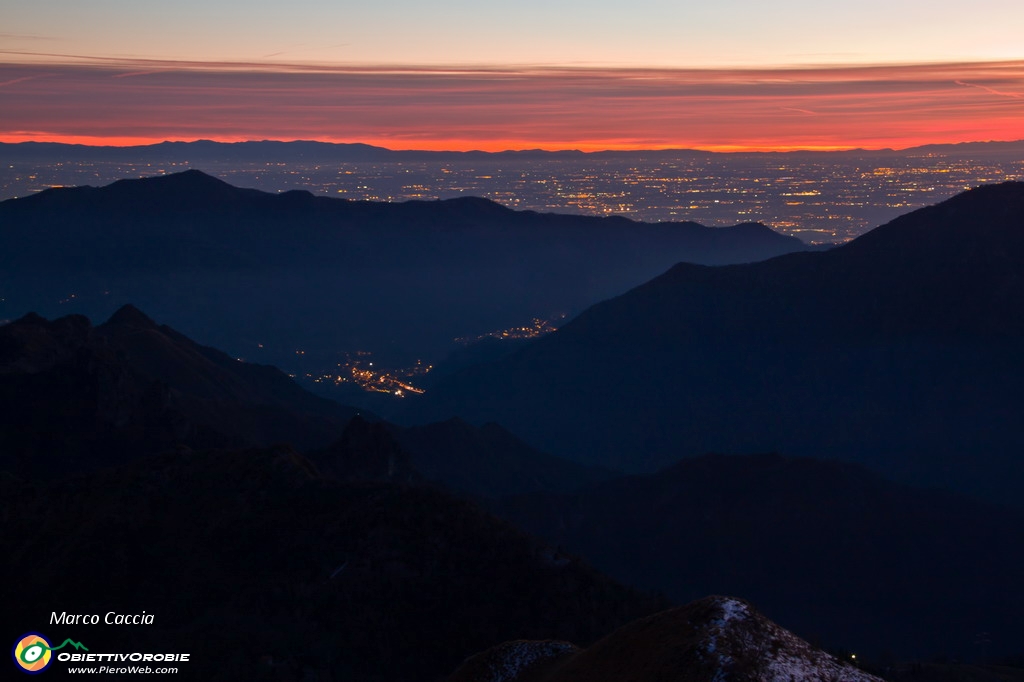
(33,653)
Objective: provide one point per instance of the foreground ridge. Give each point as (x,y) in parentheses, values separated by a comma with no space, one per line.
(715,639)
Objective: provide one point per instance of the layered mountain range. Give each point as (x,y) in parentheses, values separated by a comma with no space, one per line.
(899,350)
(265,275)
(145,466)
(77,397)
(139,464)
(836,553)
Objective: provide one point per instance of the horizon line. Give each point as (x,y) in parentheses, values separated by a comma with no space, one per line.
(131,143)
(56,59)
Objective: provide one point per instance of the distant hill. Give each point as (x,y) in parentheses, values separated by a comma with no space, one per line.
(267,275)
(262,568)
(899,350)
(833,552)
(716,638)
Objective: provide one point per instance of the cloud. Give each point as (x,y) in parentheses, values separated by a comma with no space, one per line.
(1013,95)
(303,48)
(24,36)
(467,106)
(133,74)
(15,81)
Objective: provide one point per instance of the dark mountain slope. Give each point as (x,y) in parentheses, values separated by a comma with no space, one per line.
(489,461)
(899,350)
(832,551)
(367,451)
(484,462)
(220,261)
(262,569)
(203,372)
(78,397)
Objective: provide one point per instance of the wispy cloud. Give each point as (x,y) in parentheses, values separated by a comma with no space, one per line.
(134,74)
(303,48)
(15,81)
(467,106)
(1014,95)
(25,36)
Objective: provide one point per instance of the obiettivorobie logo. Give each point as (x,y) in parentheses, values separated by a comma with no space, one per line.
(33,653)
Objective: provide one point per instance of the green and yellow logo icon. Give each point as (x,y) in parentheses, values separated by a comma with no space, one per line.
(33,653)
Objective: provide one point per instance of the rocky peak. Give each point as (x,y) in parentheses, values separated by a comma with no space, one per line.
(367,451)
(130,316)
(715,639)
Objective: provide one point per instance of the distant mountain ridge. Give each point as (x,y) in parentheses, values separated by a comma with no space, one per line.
(898,350)
(308,150)
(331,274)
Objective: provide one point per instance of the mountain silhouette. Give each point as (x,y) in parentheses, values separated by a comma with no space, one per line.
(77,397)
(264,275)
(898,350)
(367,451)
(74,397)
(203,372)
(262,151)
(176,192)
(297,574)
(832,551)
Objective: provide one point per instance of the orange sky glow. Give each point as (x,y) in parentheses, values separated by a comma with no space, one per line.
(125,102)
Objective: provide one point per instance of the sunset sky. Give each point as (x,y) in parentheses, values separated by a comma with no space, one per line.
(473,75)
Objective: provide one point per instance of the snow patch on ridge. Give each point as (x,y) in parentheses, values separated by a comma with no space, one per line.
(511,659)
(737,639)
(732,609)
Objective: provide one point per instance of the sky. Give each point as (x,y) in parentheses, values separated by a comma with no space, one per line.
(455,74)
